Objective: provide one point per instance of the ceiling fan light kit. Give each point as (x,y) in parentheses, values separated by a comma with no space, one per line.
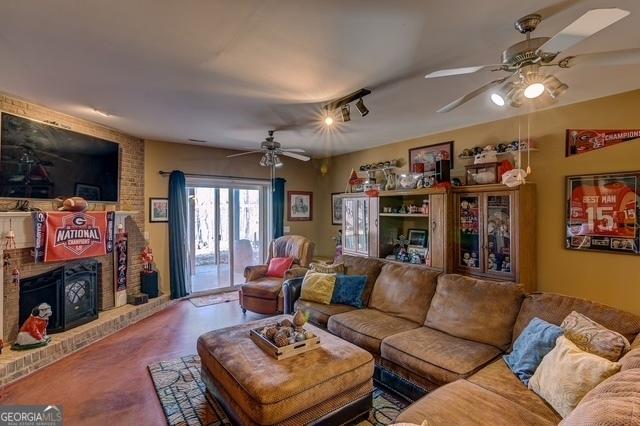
(525,59)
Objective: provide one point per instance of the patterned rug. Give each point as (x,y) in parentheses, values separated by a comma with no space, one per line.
(214,299)
(185,400)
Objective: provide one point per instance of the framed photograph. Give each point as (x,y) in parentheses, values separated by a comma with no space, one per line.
(158,210)
(423,159)
(602,212)
(417,238)
(300,205)
(88,192)
(336,208)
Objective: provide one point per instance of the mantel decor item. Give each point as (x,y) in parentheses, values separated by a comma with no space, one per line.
(158,210)
(424,158)
(579,141)
(300,206)
(602,212)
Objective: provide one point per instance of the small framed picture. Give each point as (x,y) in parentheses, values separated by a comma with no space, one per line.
(417,238)
(88,192)
(423,159)
(300,205)
(158,209)
(336,208)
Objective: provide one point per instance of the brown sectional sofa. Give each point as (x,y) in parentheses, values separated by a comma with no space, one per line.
(447,333)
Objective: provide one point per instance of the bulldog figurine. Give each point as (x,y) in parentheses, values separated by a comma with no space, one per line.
(33,332)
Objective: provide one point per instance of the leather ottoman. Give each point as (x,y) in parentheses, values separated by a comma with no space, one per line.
(329,385)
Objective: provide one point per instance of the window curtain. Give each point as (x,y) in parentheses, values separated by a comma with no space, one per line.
(178,261)
(278,207)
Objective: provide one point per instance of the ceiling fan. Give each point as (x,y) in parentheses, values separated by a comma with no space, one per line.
(272,150)
(526,60)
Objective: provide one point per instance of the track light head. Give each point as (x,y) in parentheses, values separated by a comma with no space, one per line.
(345,112)
(362,109)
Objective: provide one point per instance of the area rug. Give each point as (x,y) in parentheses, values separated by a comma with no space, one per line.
(214,299)
(185,400)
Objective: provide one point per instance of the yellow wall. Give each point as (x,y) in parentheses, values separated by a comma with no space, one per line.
(612,279)
(198,159)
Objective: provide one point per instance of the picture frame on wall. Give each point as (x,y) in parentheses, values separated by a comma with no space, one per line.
(423,159)
(299,206)
(336,208)
(602,213)
(158,210)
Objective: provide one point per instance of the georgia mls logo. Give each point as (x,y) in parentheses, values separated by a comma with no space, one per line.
(78,233)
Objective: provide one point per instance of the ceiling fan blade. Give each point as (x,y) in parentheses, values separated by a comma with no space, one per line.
(296,156)
(295,150)
(583,27)
(471,95)
(614,57)
(243,153)
(459,71)
(547,12)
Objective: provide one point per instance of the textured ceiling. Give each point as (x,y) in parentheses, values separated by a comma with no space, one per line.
(227,71)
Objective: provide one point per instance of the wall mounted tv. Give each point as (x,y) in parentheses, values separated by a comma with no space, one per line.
(38,160)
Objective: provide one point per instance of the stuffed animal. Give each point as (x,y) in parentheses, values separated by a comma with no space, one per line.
(34,330)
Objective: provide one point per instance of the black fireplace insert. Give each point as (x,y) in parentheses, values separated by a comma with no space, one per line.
(71,290)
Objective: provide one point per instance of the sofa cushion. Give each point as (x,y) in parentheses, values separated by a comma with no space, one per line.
(367,327)
(318,287)
(473,309)
(263,288)
(567,374)
(554,308)
(632,358)
(498,378)
(614,402)
(356,265)
(319,313)
(436,356)
(531,346)
(592,337)
(278,266)
(463,403)
(404,291)
(349,290)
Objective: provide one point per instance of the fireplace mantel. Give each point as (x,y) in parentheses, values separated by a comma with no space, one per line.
(22,225)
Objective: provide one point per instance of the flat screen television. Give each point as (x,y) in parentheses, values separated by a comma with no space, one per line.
(39,160)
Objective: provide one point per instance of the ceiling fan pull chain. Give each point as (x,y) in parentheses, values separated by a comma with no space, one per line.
(528,145)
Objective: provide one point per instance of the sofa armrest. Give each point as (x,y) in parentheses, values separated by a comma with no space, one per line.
(295,272)
(291,289)
(252,273)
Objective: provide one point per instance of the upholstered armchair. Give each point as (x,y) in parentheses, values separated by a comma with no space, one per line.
(263,294)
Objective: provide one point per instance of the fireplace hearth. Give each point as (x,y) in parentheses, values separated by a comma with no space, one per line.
(71,290)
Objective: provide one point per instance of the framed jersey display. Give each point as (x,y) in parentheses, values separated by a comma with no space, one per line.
(602,212)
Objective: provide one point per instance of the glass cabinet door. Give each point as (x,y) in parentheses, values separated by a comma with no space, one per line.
(362,227)
(468,221)
(349,217)
(498,233)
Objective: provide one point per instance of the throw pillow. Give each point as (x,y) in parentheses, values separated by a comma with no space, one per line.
(328,268)
(318,287)
(594,338)
(567,373)
(535,341)
(349,290)
(278,266)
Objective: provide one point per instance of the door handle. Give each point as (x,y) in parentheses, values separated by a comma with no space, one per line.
(433,225)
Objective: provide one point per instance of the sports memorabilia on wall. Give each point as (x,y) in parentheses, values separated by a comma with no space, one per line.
(580,141)
(602,212)
(424,158)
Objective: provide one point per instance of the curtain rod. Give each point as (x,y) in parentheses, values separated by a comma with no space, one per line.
(163,173)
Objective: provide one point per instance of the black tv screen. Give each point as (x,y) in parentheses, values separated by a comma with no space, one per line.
(38,160)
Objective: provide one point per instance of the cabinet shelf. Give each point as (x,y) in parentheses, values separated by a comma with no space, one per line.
(404,215)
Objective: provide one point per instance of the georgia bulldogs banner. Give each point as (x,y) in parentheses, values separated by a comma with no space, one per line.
(580,141)
(602,213)
(63,236)
(120,263)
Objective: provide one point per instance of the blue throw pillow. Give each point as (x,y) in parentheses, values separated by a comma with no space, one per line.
(349,290)
(535,341)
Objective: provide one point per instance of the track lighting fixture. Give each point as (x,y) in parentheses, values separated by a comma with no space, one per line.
(345,112)
(362,109)
(328,119)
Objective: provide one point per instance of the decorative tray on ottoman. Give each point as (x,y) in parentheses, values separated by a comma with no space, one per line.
(291,342)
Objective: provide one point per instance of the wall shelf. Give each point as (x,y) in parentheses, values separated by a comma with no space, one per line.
(403,215)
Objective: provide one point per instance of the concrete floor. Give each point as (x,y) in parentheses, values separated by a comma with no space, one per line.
(108,382)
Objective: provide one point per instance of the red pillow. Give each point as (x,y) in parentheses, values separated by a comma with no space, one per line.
(278,266)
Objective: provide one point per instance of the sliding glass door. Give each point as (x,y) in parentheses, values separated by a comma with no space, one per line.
(228,230)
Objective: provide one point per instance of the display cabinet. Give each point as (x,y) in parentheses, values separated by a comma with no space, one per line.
(494,233)
(360,225)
